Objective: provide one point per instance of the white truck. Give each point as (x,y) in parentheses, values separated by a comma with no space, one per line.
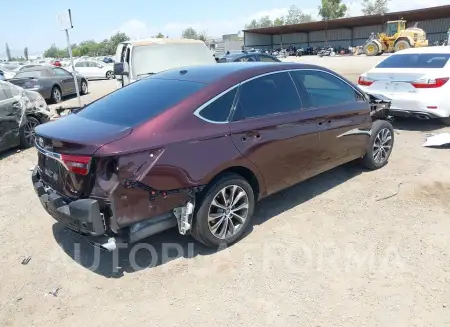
(140,58)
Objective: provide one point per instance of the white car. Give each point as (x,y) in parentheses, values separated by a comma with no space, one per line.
(94,69)
(416,80)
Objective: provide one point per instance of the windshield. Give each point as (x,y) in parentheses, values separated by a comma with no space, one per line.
(415,60)
(155,58)
(139,101)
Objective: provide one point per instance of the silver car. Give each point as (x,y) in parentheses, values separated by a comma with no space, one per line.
(92,69)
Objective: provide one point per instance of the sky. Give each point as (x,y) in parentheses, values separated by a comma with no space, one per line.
(34,24)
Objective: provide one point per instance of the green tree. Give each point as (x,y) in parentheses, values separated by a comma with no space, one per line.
(265,21)
(116,39)
(278,21)
(202,36)
(253,24)
(189,33)
(8,52)
(51,52)
(332,9)
(375,7)
(159,36)
(25,53)
(295,16)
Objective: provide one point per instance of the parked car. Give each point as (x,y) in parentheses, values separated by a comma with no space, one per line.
(7,73)
(20,112)
(94,69)
(108,60)
(242,131)
(140,58)
(417,81)
(53,83)
(248,57)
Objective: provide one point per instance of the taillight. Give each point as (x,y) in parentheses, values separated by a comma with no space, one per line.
(430,83)
(365,81)
(31,84)
(77,164)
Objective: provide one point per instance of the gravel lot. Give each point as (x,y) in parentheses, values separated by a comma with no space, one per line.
(347,248)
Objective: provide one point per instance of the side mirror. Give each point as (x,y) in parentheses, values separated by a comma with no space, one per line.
(121,69)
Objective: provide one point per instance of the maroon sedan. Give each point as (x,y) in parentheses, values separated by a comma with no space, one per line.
(197,147)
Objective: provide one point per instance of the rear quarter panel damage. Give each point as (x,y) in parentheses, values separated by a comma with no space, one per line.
(177,165)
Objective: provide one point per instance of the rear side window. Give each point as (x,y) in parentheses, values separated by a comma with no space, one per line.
(219,110)
(31,74)
(139,101)
(81,64)
(320,89)
(267,95)
(267,59)
(415,60)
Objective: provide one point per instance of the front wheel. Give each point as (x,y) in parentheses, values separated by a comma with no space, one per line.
(380,146)
(224,212)
(371,49)
(27,132)
(401,45)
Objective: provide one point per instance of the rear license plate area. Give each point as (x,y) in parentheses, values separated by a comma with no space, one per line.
(49,168)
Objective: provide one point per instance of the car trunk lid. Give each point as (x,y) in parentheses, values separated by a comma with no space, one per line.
(398,80)
(26,82)
(65,152)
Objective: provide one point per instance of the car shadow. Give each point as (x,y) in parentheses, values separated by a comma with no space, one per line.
(170,245)
(417,125)
(12,151)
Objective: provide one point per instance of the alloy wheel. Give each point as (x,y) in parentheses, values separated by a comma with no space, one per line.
(228,211)
(84,87)
(382,146)
(28,131)
(57,95)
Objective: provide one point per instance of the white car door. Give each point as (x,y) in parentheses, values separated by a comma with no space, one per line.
(96,69)
(82,68)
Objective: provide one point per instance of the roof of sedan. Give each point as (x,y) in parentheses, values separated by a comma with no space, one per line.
(34,68)
(214,72)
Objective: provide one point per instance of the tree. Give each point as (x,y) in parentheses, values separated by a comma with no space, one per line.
(25,53)
(202,36)
(265,21)
(332,9)
(278,21)
(8,52)
(189,33)
(295,16)
(159,36)
(375,7)
(253,24)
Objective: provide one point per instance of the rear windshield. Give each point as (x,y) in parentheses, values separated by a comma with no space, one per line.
(31,73)
(139,101)
(415,60)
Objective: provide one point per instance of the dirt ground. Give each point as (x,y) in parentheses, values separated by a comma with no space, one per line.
(348,248)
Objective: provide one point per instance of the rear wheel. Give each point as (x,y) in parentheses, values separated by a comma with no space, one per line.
(84,87)
(56,96)
(380,145)
(445,121)
(109,75)
(371,49)
(27,132)
(224,212)
(401,45)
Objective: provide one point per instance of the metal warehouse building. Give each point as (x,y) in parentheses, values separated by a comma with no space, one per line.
(347,32)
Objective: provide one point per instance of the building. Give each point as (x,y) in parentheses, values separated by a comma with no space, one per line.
(228,42)
(345,32)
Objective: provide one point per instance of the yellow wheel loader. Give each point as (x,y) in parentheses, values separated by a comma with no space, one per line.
(396,38)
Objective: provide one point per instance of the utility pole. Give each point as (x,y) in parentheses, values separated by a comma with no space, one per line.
(65,23)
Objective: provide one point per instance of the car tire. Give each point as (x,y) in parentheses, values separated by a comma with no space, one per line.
(56,95)
(218,231)
(109,75)
(83,87)
(445,121)
(371,49)
(26,132)
(380,146)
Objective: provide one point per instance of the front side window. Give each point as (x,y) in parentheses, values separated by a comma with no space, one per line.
(322,89)
(267,95)
(219,110)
